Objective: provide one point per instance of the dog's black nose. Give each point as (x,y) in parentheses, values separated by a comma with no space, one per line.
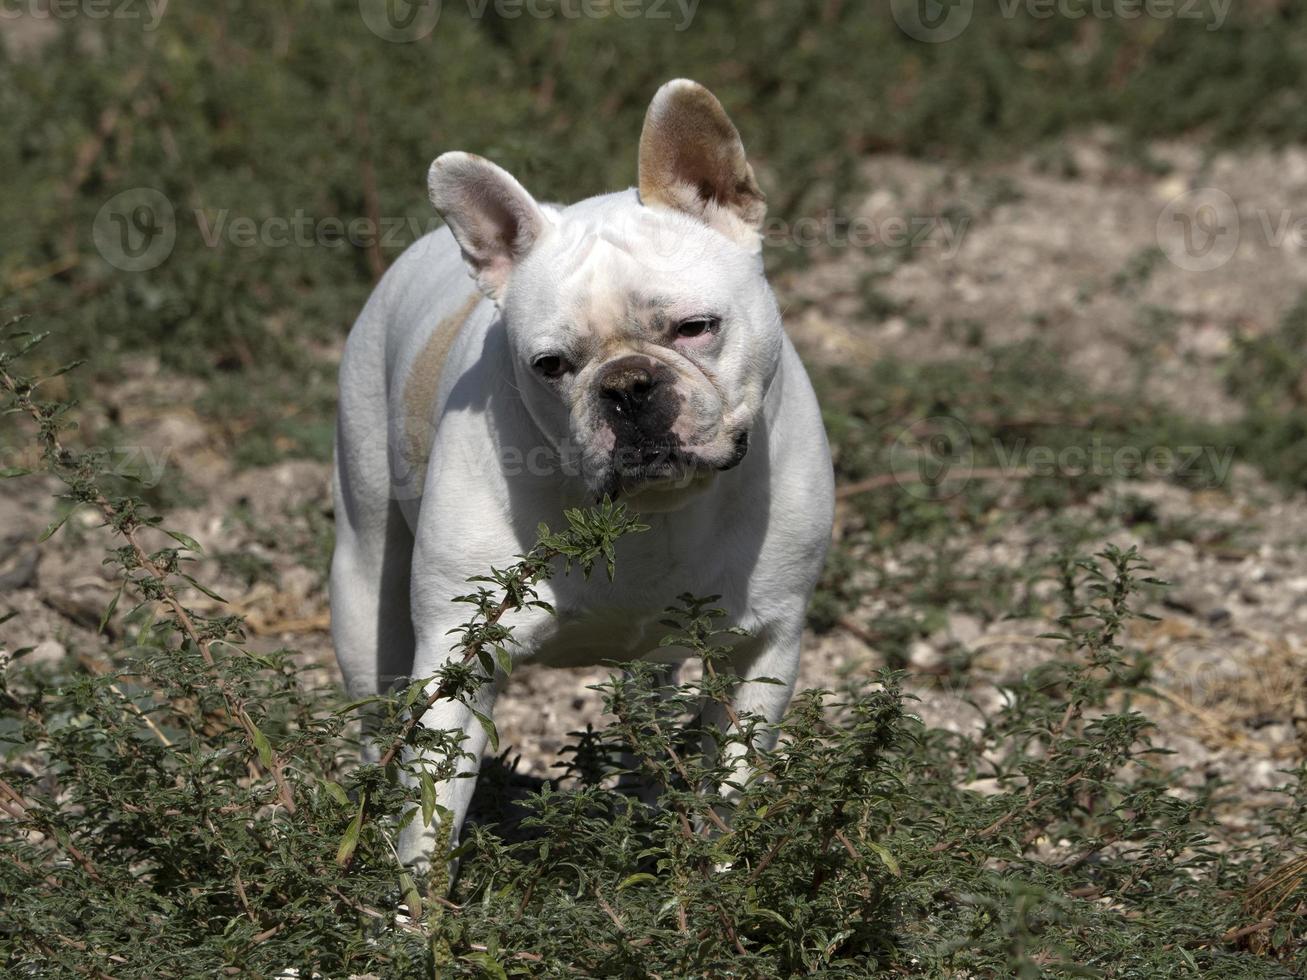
(627,386)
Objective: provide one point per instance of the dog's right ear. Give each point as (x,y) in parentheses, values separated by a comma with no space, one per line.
(692,160)
(493,218)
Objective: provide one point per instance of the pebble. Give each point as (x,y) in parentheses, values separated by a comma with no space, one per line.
(47,652)
(964,628)
(923,656)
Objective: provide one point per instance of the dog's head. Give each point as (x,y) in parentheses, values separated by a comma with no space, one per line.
(643,332)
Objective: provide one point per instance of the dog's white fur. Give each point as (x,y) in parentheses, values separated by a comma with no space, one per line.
(452,446)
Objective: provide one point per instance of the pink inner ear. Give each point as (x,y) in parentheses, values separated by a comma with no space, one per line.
(494,219)
(498,230)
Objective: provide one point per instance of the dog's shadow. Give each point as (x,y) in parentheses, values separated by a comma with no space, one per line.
(499,802)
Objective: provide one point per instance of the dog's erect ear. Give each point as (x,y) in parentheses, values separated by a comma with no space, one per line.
(494,220)
(692,160)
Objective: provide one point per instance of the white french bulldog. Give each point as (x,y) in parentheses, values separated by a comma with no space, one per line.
(628,346)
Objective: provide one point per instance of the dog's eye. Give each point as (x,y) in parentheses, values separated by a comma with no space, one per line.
(550,365)
(696,327)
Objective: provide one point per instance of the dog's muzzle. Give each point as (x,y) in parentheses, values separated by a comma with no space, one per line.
(639,401)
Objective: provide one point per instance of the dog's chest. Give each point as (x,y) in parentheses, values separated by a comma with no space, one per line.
(626,619)
(585,637)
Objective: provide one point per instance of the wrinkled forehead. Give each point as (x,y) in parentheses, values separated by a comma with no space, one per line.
(639,274)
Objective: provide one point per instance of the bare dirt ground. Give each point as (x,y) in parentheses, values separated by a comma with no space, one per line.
(1047,250)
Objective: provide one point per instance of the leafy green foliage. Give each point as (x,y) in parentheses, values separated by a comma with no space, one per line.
(199,803)
(1269,375)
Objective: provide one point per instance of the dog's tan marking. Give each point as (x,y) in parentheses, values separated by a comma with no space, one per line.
(423,383)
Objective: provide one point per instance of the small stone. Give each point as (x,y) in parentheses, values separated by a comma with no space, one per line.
(1185,600)
(47,652)
(923,656)
(1264,774)
(298,582)
(964,628)
(894,328)
(1170,188)
(182,431)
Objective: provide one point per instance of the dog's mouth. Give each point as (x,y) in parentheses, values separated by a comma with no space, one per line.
(739,449)
(665,465)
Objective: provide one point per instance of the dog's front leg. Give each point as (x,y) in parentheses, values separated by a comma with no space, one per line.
(436,624)
(418,842)
(767,669)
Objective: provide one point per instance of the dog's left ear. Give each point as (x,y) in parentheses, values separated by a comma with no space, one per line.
(692,160)
(493,218)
